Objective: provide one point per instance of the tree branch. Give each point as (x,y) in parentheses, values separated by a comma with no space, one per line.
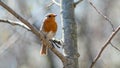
(109,39)
(50,4)
(55,2)
(33,30)
(15,23)
(115,47)
(105,45)
(99,12)
(76,3)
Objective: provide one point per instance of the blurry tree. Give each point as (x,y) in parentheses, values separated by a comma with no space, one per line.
(70,33)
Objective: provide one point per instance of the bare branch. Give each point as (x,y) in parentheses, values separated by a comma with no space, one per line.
(39,35)
(15,23)
(115,47)
(105,45)
(99,12)
(55,2)
(50,4)
(76,3)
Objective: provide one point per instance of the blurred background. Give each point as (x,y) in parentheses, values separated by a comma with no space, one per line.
(20,48)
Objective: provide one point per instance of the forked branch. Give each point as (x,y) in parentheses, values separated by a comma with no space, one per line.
(55,2)
(109,39)
(99,12)
(76,3)
(115,47)
(105,45)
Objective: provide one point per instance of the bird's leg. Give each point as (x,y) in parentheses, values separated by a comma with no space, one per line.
(55,42)
(52,42)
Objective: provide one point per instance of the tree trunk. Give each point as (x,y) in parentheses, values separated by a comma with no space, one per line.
(70,34)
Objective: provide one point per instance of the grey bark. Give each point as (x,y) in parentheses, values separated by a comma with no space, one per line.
(70,34)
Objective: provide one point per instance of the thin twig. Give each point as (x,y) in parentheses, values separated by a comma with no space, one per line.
(39,35)
(76,3)
(15,23)
(99,12)
(55,2)
(50,4)
(105,45)
(115,47)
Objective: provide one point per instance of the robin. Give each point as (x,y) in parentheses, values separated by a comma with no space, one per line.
(49,29)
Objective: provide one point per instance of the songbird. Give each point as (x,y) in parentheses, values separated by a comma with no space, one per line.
(49,29)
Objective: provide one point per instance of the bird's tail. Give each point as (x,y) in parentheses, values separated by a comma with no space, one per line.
(43,50)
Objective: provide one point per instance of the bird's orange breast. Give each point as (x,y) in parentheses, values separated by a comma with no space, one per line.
(50,26)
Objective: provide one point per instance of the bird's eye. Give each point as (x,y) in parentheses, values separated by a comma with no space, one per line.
(49,16)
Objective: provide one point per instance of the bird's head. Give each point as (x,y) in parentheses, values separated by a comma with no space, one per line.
(51,16)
